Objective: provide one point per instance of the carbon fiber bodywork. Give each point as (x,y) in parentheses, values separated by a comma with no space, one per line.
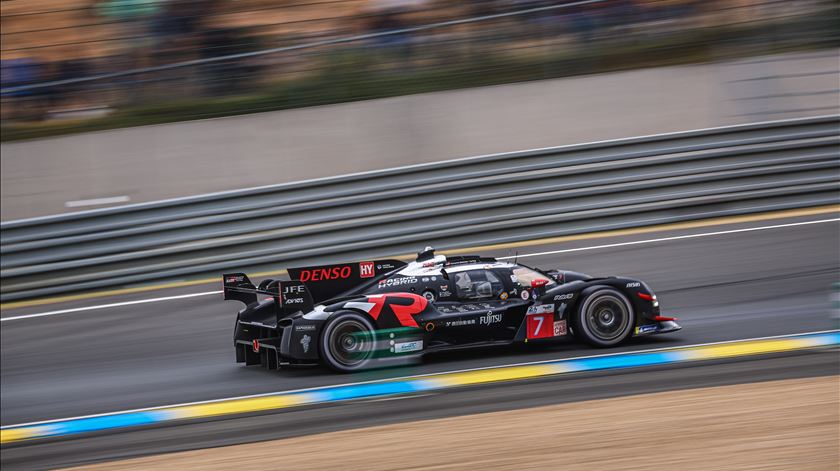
(398,311)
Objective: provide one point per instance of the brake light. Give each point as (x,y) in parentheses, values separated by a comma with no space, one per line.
(538,282)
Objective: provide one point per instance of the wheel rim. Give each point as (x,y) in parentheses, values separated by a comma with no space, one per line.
(607,317)
(350,343)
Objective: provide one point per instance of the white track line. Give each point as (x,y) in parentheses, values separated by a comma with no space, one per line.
(105,306)
(416,376)
(594,247)
(664,239)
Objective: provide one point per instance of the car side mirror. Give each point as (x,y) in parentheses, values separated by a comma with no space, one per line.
(538,285)
(444,274)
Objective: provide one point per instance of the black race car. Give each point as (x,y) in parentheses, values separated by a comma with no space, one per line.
(356,315)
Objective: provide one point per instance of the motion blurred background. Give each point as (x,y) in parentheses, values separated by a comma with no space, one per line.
(187,59)
(71,66)
(109,103)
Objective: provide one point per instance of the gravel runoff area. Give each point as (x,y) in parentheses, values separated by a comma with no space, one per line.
(791,424)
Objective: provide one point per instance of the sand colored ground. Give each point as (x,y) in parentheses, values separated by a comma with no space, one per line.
(782,425)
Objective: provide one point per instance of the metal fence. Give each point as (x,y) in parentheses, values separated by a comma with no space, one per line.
(480,200)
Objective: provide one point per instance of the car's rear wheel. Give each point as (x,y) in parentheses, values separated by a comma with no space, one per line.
(347,342)
(604,318)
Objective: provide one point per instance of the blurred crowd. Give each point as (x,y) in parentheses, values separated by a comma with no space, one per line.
(59,40)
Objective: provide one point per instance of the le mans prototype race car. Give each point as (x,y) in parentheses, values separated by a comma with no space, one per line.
(356,315)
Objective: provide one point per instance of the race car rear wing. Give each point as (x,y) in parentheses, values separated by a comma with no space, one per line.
(309,285)
(237,287)
(289,296)
(329,281)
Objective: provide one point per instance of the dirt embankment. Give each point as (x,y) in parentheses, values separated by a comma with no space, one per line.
(782,425)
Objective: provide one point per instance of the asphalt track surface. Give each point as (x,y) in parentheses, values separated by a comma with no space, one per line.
(722,287)
(492,397)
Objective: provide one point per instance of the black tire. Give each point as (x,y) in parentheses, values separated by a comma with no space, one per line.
(604,318)
(347,342)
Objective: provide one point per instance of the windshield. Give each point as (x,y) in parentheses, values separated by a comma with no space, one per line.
(524,276)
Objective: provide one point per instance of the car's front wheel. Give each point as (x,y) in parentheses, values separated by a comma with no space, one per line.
(347,342)
(604,318)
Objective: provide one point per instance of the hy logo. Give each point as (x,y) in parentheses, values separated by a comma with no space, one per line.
(366,269)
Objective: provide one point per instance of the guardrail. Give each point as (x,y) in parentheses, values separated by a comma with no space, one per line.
(480,200)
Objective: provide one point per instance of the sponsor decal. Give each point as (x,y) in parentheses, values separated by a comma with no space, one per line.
(304,342)
(366,270)
(444,294)
(560,328)
(540,326)
(430,326)
(524,295)
(503,296)
(561,297)
(514,279)
(541,309)
(634,284)
(444,287)
(434,278)
(403,312)
(323,274)
(406,280)
(408,346)
(234,279)
(646,329)
(460,322)
(429,295)
(425,279)
(255,345)
(489,318)
(304,328)
(293,294)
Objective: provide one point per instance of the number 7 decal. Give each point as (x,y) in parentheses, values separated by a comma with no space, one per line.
(540,326)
